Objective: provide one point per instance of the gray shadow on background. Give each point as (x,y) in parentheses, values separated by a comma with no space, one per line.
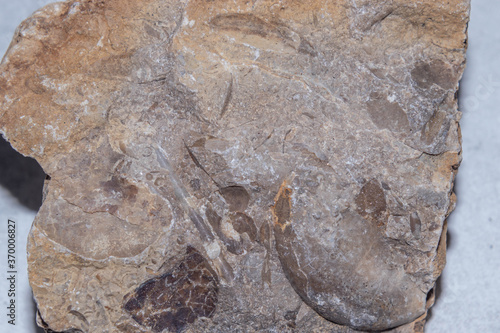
(21,176)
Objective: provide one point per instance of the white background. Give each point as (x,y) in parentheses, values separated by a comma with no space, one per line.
(469,290)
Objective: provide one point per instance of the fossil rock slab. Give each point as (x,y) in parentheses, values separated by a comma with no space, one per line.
(238,166)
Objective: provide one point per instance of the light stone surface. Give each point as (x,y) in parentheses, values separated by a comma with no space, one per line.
(290,164)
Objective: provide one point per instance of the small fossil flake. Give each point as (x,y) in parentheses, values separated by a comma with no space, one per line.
(238,166)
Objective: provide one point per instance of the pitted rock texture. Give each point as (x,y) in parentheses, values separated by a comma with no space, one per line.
(238,166)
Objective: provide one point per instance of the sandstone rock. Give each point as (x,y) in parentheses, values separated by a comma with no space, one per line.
(238,166)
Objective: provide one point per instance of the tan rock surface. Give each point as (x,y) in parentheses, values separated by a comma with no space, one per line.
(238,166)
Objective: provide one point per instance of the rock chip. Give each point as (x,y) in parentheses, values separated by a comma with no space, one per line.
(238,166)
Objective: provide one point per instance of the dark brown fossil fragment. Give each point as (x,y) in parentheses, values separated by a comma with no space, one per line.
(232,245)
(236,197)
(177,298)
(243,223)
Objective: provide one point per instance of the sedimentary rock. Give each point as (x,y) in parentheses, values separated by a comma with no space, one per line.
(238,166)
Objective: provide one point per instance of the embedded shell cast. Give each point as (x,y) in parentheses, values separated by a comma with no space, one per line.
(238,166)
